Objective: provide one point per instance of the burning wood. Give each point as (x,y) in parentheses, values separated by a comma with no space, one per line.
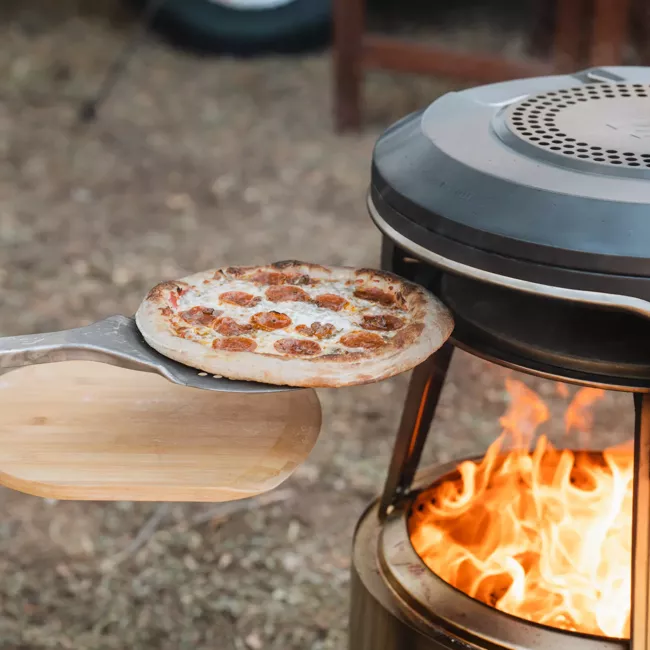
(544,534)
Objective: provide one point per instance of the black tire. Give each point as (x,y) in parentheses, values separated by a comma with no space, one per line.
(206,27)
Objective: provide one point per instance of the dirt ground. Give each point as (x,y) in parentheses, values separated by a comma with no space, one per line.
(195,163)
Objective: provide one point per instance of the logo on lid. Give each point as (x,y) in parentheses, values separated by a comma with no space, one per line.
(639,129)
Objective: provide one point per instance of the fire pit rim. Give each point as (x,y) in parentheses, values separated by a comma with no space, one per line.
(609,300)
(531,367)
(402,568)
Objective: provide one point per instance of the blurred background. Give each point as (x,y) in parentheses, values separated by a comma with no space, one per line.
(142,141)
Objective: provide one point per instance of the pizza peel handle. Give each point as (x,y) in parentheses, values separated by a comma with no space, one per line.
(116,341)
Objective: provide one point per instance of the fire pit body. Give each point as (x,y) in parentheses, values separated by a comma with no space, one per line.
(525,206)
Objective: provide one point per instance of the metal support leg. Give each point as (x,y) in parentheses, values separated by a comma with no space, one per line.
(420,407)
(640,624)
(88,110)
(387,254)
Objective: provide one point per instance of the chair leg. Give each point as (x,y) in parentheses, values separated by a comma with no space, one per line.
(609,31)
(567,42)
(349,24)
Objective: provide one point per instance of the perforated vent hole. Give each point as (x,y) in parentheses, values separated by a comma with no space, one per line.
(536,120)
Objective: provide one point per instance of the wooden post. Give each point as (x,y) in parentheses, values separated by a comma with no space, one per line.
(541,27)
(609,31)
(349,27)
(567,42)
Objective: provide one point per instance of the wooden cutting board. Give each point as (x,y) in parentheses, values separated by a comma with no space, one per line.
(85,430)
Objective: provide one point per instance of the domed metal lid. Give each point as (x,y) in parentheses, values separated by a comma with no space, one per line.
(531,179)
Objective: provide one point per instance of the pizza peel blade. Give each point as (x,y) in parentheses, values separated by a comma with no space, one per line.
(116,341)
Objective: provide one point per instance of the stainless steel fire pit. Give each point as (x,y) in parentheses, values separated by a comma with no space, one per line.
(525,206)
(397,602)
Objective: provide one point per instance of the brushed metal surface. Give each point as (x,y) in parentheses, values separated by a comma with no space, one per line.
(608,300)
(412,607)
(116,341)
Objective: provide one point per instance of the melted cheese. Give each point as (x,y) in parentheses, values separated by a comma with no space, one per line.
(344,321)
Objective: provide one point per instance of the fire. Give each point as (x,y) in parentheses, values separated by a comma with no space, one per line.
(543,534)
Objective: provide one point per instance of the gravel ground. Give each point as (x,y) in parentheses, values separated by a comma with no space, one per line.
(195,163)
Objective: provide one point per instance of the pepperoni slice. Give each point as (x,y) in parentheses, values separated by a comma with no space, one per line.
(365,340)
(230,327)
(299,279)
(287,294)
(175,295)
(201,316)
(297,347)
(270,320)
(235,344)
(268,277)
(382,322)
(319,330)
(373,294)
(240,298)
(330,301)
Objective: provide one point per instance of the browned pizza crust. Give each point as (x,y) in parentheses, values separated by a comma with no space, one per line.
(295,323)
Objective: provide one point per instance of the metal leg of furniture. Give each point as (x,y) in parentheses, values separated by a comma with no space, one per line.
(88,110)
(349,26)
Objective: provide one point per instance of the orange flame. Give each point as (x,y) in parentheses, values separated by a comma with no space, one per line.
(544,534)
(562,389)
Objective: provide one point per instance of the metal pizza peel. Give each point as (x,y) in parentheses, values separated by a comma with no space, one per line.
(116,341)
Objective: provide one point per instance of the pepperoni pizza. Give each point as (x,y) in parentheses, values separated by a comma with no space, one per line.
(295,324)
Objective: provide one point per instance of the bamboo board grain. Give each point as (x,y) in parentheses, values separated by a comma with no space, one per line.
(84,430)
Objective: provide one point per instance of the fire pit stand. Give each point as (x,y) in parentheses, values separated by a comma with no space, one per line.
(525,207)
(417,609)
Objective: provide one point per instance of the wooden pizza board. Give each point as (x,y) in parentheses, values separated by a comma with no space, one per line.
(85,430)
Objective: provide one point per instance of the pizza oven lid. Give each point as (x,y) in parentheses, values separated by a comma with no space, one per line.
(546,179)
